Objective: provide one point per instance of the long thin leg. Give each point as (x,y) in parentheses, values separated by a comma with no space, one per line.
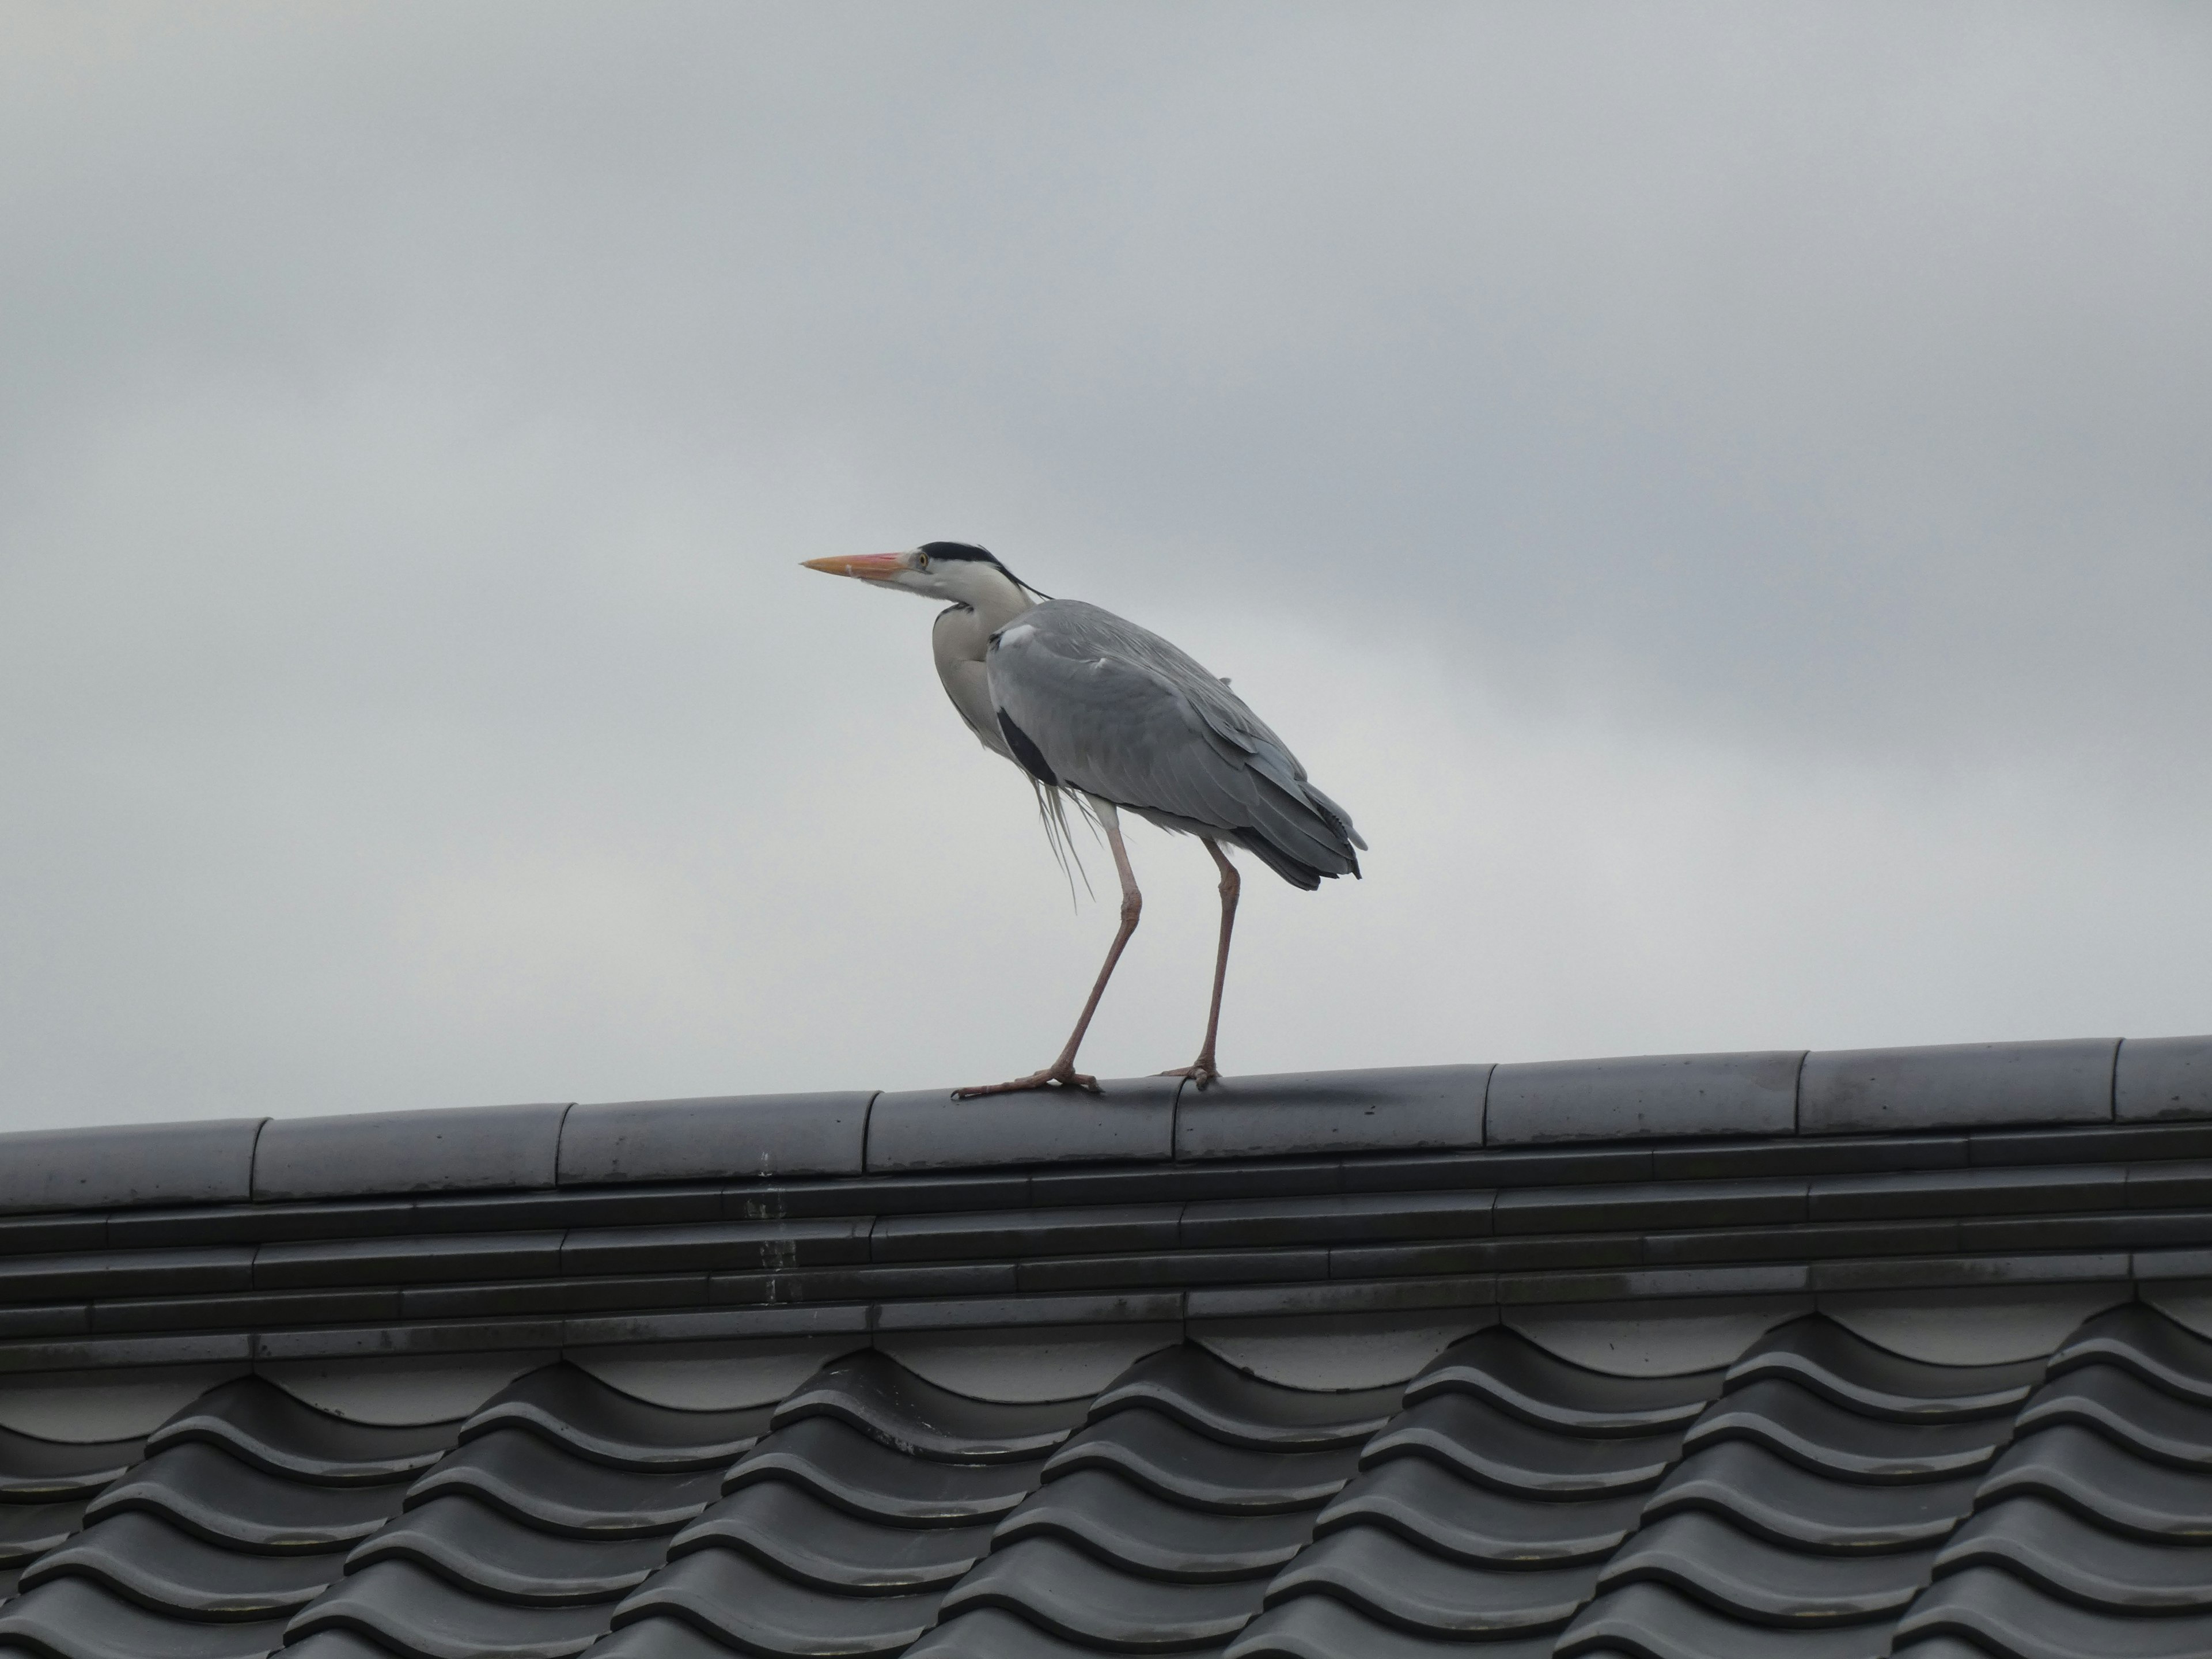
(1061,1074)
(1203,1070)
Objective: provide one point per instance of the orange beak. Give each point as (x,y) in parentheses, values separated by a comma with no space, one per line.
(868,567)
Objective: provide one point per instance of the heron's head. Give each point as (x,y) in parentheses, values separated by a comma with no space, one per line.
(949,572)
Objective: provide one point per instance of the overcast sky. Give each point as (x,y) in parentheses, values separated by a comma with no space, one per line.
(1723,494)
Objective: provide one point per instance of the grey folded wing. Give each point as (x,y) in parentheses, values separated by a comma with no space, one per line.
(1089,701)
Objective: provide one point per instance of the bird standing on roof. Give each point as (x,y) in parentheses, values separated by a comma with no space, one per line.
(1091,706)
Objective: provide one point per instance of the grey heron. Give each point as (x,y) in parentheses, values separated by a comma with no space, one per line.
(1091,706)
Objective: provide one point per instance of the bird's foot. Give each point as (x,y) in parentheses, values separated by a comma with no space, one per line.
(1061,1077)
(1201,1072)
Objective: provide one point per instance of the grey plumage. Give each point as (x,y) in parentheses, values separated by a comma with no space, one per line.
(1097,709)
(1114,711)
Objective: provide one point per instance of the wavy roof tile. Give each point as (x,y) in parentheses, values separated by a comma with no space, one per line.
(1683,1357)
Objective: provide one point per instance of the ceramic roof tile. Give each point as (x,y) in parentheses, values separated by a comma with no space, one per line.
(883,1399)
(419,1615)
(145,1559)
(2153,1347)
(858,1474)
(1077,1596)
(1475,1439)
(207,1492)
(1786,1503)
(1389,1579)
(1162,1456)
(1455,1519)
(1189,1384)
(261,1424)
(1851,1372)
(1121,1524)
(994,1633)
(35,1471)
(790,1530)
(1813,1430)
(2085,1472)
(1322,1627)
(1652,1621)
(1764,1583)
(742,1604)
(74,1618)
(2120,1406)
(2073,1558)
(499,1557)
(27,1530)
(2010,1618)
(545,1485)
(1519,1377)
(573,1409)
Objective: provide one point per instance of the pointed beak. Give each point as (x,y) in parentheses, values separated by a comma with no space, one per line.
(869,566)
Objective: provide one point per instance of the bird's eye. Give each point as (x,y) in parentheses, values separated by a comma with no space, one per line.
(921,560)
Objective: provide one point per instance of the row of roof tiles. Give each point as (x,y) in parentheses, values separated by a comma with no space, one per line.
(1766,1094)
(1819,1499)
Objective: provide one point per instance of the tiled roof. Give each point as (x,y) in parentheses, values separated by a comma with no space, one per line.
(1819,1497)
(1774,1354)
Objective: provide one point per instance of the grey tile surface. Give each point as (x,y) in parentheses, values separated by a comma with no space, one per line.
(389,1152)
(210,1162)
(1413,1109)
(1133,1119)
(2163,1078)
(1956,1086)
(1643,1095)
(722,1135)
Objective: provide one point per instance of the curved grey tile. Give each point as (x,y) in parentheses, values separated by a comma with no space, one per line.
(338,1644)
(788,1528)
(145,1559)
(1322,1627)
(1189,1384)
(385,1153)
(210,1494)
(716,1136)
(1750,1578)
(1941,1647)
(2120,1404)
(1806,1428)
(546,1486)
(1786,1503)
(1449,1516)
(210,1162)
(877,1396)
(2148,1344)
(1387,1579)
(1819,1354)
(739,1601)
(1163,1456)
(1105,1515)
(420,1616)
(35,1471)
(493,1555)
(568,1406)
(2012,1618)
(1478,1440)
(994,1633)
(1515,1375)
(257,1423)
(1073,1595)
(2080,1561)
(859,1474)
(657,1639)
(2087,1472)
(28,1530)
(75,1619)
(1652,1621)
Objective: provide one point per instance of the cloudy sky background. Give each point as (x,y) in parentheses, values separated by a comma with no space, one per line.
(1723,494)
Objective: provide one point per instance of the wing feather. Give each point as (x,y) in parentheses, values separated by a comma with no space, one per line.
(1118,712)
